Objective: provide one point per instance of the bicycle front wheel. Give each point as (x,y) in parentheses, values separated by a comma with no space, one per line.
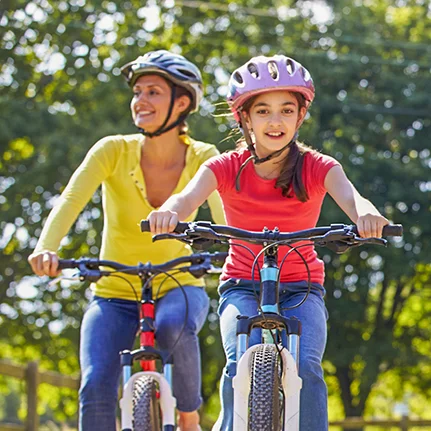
(266,399)
(146,408)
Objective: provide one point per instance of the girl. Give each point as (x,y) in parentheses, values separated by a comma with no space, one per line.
(284,186)
(138,173)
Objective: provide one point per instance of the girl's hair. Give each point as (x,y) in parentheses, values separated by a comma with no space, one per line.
(290,179)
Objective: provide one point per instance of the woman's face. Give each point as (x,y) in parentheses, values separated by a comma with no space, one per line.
(151,100)
(274,118)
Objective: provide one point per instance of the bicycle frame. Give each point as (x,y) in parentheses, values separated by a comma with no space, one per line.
(147,355)
(270,321)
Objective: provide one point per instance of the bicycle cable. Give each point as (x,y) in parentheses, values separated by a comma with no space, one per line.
(186,314)
(292,248)
(167,275)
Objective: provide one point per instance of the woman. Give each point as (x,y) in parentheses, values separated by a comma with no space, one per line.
(138,173)
(284,187)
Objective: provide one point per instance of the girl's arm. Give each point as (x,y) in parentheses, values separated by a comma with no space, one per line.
(216,208)
(360,210)
(180,206)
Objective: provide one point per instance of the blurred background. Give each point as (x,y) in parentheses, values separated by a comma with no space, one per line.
(61,92)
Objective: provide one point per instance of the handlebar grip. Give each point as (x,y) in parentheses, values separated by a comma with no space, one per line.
(66,263)
(393,230)
(181,226)
(388,230)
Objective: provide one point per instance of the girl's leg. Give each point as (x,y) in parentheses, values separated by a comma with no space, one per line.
(175,333)
(313,316)
(109,326)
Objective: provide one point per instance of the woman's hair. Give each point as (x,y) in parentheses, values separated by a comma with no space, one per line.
(290,178)
(181,91)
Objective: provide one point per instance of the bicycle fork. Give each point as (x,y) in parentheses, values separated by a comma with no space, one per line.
(271,323)
(147,355)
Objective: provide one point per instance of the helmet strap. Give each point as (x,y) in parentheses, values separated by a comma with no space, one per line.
(252,149)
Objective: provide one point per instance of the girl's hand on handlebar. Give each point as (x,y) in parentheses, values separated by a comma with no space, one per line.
(44,263)
(163,221)
(371,225)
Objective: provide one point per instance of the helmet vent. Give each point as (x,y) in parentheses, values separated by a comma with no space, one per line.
(238,78)
(254,71)
(186,72)
(306,75)
(273,70)
(290,66)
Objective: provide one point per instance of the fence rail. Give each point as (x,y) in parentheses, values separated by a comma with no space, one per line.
(34,377)
(404,424)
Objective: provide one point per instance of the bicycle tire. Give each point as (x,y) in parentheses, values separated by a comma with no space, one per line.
(266,398)
(146,408)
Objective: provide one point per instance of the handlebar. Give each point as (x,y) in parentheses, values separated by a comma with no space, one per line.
(89,268)
(329,236)
(388,230)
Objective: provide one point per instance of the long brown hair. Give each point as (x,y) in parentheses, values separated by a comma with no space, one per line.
(290,178)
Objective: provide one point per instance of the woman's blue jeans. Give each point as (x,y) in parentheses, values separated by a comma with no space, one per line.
(237,297)
(110,325)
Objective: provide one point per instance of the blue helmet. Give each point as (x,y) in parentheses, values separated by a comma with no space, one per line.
(173,67)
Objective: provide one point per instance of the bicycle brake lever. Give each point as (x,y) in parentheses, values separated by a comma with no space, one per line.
(343,244)
(198,242)
(377,241)
(57,280)
(178,236)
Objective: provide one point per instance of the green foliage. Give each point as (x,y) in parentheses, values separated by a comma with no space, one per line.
(61,92)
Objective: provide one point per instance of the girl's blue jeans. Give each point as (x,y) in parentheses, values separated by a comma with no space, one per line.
(110,325)
(237,297)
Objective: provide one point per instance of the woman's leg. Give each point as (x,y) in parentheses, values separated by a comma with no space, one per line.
(313,316)
(108,326)
(175,333)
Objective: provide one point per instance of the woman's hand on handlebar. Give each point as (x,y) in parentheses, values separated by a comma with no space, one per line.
(163,221)
(44,263)
(371,225)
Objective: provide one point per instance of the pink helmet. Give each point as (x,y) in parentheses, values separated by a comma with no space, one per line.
(262,74)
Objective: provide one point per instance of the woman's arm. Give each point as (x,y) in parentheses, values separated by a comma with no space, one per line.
(180,206)
(98,164)
(360,210)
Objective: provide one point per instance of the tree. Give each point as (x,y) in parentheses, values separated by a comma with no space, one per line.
(370,63)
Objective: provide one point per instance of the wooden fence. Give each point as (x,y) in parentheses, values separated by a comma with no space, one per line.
(404,424)
(34,377)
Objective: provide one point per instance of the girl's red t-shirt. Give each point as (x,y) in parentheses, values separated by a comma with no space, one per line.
(259,204)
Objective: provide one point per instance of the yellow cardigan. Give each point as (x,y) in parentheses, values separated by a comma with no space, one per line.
(114,162)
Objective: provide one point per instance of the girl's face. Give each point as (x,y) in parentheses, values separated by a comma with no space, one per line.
(274,118)
(151,100)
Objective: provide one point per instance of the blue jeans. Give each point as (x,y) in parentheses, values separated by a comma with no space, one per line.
(237,297)
(110,325)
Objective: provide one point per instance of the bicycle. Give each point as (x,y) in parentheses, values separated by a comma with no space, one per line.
(267,385)
(147,403)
